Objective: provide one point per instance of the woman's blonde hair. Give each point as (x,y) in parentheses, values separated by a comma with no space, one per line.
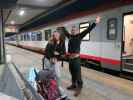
(51,40)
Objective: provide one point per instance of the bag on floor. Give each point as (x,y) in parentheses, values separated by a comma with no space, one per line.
(47,85)
(31,77)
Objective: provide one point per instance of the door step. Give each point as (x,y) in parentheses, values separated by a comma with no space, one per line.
(130,64)
(128,70)
(128,67)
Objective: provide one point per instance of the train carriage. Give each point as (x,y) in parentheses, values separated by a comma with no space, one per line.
(108,44)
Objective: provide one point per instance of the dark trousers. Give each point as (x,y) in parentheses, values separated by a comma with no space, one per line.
(75,70)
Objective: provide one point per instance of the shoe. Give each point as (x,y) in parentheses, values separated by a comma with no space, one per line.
(77,91)
(65,98)
(72,87)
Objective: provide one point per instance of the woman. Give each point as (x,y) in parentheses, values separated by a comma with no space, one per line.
(54,51)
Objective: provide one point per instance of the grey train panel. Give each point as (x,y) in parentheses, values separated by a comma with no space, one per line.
(111,66)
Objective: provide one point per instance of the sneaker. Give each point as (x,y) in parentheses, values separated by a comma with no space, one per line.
(72,87)
(77,92)
(65,98)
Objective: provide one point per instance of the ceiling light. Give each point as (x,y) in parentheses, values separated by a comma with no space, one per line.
(12,22)
(22,12)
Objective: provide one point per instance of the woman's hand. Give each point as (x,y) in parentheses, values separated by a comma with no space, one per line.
(53,60)
(56,53)
(98,19)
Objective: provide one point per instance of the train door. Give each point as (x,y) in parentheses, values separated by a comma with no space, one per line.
(127,55)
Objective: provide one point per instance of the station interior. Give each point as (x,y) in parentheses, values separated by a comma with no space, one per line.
(105,53)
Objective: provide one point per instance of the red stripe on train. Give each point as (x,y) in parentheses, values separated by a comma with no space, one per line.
(101,59)
(84,56)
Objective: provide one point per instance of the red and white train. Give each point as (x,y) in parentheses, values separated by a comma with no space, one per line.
(110,43)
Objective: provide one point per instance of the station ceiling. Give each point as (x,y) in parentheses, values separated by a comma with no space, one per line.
(72,8)
(25,10)
(7,3)
(29,14)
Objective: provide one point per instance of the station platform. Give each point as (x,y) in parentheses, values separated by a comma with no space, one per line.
(6,97)
(97,85)
(9,89)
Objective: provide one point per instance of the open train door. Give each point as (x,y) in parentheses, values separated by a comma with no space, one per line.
(127,54)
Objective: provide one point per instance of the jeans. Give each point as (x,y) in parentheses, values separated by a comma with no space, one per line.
(75,70)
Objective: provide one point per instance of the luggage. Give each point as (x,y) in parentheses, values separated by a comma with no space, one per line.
(31,77)
(46,84)
(48,89)
(46,81)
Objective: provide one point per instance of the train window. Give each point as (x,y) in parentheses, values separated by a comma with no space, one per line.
(13,38)
(21,37)
(84,26)
(47,34)
(112,29)
(28,37)
(39,36)
(24,37)
(33,36)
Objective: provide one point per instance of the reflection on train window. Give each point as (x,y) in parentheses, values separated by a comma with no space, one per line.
(84,26)
(47,34)
(33,36)
(13,38)
(39,36)
(28,36)
(24,37)
(112,29)
(21,37)
(82,29)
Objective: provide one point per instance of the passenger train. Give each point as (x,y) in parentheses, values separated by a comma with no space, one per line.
(109,44)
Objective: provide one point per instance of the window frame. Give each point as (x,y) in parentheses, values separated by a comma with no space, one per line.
(86,28)
(109,22)
(39,36)
(47,34)
(33,36)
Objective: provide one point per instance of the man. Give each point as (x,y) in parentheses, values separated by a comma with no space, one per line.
(74,55)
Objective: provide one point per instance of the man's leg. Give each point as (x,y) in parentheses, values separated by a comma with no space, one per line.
(77,75)
(71,70)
